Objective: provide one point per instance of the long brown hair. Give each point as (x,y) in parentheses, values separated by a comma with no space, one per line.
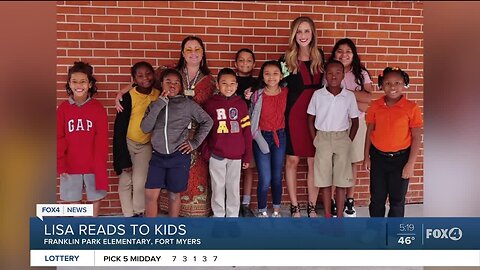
(291,55)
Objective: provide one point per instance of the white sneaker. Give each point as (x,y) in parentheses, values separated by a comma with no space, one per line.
(276,215)
(262,215)
(349,208)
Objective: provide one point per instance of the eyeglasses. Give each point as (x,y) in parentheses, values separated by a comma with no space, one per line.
(190,50)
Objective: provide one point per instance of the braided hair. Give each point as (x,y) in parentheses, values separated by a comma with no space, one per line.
(387,70)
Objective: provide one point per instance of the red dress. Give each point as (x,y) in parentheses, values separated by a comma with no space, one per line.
(300,90)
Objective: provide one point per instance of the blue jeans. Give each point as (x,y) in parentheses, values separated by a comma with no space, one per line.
(269,167)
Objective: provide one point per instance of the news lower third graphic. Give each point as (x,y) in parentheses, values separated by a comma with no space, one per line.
(57,239)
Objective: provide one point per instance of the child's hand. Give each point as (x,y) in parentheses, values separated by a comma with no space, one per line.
(118,98)
(64,175)
(185,147)
(245,165)
(408,170)
(164,93)
(366,163)
(127,169)
(248,93)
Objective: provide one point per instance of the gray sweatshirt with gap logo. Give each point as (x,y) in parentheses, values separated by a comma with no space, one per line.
(168,120)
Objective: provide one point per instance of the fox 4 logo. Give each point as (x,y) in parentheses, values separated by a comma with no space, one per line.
(454,234)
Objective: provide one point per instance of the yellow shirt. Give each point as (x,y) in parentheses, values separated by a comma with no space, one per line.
(140,104)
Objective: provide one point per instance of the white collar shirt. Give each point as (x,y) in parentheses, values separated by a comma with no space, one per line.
(331,112)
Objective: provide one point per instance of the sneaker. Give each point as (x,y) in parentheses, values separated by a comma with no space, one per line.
(138,215)
(246,211)
(262,215)
(333,208)
(350,208)
(276,215)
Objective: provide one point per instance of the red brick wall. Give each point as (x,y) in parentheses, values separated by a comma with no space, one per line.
(112,36)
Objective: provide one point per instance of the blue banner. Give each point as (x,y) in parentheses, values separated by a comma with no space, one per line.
(253,233)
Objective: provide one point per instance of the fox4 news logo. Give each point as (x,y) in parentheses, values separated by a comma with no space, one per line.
(454,234)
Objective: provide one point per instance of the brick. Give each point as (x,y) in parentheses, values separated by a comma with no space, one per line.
(323,9)
(371,11)
(218,13)
(119,11)
(242,14)
(217,30)
(275,7)
(92,10)
(382,19)
(168,12)
(103,3)
(117,45)
(105,36)
(209,22)
(156,20)
(229,22)
(400,19)
(341,25)
(206,5)
(92,27)
(266,15)
(301,8)
(92,44)
(82,52)
(182,21)
(390,27)
(254,23)
(193,13)
(105,19)
(411,28)
(357,18)
(131,19)
(68,10)
(347,10)
(253,6)
(78,18)
(106,53)
(278,24)
(358,34)
(334,18)
(130,3)
(193,30)
(118,28)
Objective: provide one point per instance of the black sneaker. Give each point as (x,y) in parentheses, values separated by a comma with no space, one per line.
(350,208)
(333,208)
(246,211)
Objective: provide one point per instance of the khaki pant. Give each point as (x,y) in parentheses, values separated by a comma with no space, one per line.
(332,165)
(225,176)
(131,185)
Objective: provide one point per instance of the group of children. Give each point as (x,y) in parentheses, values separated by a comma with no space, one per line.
(242,123)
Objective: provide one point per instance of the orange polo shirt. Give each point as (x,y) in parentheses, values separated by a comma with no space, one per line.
(392,124)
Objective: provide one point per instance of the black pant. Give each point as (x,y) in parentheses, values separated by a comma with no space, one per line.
(386,179)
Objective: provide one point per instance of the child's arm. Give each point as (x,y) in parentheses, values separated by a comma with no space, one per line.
(311,126)
(204,121)
(247,137)
(366,152)
(414,149)
(101,150)
(61,142)
(121,156)
(119,96)
(353,128)
(151,114)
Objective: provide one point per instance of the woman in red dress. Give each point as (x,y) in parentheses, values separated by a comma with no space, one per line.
(303,69)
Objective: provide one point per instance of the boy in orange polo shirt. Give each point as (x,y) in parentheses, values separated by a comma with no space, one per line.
(392,143)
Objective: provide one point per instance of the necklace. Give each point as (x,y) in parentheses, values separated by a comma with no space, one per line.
(190,91)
